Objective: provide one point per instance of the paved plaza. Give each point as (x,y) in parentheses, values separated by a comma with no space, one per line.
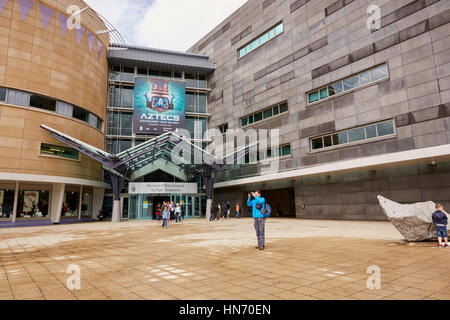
(304,260)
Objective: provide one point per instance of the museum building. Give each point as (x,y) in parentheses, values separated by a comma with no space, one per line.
(361,111)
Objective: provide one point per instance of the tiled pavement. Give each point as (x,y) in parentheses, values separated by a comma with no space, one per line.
(304,259)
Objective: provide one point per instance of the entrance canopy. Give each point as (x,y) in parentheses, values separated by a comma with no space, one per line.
(169,152)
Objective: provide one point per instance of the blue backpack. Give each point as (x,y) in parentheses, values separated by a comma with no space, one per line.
(267,211)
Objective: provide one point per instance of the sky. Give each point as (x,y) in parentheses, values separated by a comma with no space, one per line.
(165,24)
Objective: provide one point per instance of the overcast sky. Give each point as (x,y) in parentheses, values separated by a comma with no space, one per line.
(165,24)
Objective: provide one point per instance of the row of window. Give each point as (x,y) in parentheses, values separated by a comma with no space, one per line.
(25,99)
(361,79)
(265,114)
(58,151)
(372,131)
(256,43)
(283,151)
(117,73)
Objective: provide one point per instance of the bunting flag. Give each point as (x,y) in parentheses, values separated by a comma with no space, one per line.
(100,48)
(63,23)
(91,39)
(3,4)
(25,7)
(80,32)
(46,14)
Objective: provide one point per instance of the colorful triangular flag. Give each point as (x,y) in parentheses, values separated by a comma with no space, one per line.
(100,48)
(46,14)
(91,39)
(3,4)
(80,32)
(25,7)
(63,23)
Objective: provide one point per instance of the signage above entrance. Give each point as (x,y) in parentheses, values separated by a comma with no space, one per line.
(162,188)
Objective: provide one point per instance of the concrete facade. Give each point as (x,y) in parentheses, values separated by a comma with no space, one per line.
(325,41)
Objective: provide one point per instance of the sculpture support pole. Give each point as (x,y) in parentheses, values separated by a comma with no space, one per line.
(209,183)
(117,183)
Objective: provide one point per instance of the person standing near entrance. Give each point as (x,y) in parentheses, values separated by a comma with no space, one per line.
(172,211)
(178,213)
(228,205)
(183,210)
(165,216)
(238,210)
(158,212)
(218,212)
(258,203)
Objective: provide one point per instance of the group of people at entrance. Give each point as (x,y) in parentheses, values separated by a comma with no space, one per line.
(170,212)
(223,211)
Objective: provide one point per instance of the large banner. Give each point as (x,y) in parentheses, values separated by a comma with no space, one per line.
(159,106)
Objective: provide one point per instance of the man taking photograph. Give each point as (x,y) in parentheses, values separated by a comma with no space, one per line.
(258,203)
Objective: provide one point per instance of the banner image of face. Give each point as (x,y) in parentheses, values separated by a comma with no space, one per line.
(159,106)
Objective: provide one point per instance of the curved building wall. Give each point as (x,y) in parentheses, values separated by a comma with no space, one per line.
(40,60)
(40,56)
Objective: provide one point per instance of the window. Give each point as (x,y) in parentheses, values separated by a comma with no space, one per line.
(57,151)
(196,126)
(368,132)
(127,97)
(3,94)
(99,124)
(195,81)
(126,124)
(223,128)
(42,103)
(127,74)
(349,83)
(355,135)
(64,109)
(196,102)
(265,114)
(18,98)
(379,73)
(256,43)
(80,114)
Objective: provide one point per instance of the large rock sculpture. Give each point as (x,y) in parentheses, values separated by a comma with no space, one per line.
(413,221)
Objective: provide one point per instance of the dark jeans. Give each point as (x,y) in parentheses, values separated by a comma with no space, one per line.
(238,213)
(164,222)
(260,232)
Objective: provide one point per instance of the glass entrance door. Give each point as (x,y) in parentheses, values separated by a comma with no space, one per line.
(125,202)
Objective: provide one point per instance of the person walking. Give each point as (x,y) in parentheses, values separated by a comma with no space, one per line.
(158,212)
(165,216)
(238,210)
(258,203)
(218,212)
(183,210)
(172,211)
(228,206)
(178,213)
(224,211)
